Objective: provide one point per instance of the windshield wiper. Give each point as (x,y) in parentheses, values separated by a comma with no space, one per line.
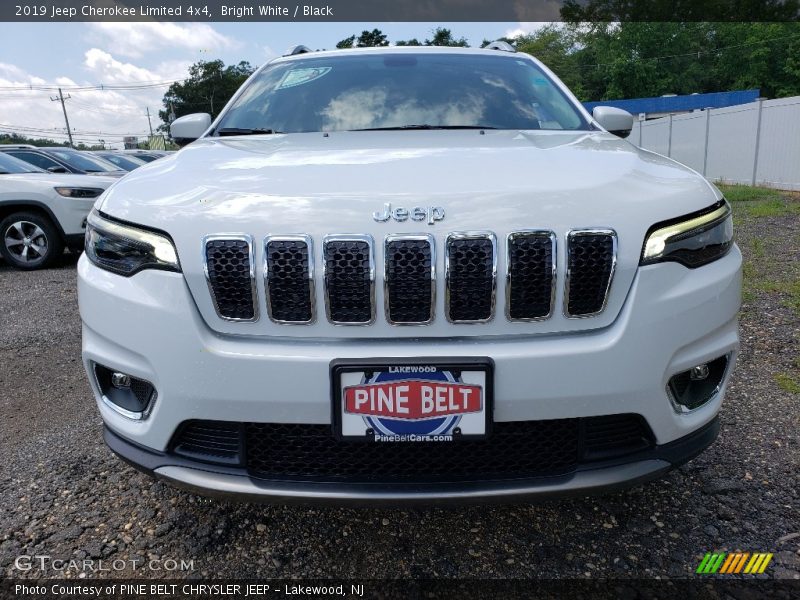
(423,126)
(245,131)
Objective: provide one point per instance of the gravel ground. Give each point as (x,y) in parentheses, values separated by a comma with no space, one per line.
(63,494)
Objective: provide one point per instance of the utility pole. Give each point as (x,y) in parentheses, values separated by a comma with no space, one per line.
(64,108)
(148,121)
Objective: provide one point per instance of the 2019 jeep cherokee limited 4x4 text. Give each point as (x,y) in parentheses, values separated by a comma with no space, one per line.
(409,274)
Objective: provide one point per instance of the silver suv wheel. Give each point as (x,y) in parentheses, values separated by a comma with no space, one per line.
(26,242)
(29,240)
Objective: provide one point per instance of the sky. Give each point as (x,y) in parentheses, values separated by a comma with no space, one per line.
(91,54)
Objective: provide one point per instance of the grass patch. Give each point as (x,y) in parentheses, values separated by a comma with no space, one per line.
(747,193)
(758,209)
(788,383)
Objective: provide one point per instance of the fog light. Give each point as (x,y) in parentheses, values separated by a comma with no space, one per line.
(699,372)
(128,395)
(120,380)
(691,389)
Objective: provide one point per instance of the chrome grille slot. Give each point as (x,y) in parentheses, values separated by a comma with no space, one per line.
(591,260)
(530,285)
(349,274)
(289,278)
(470,277)
(409,277)
(229,268)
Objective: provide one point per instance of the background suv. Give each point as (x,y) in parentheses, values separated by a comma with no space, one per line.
(41,213)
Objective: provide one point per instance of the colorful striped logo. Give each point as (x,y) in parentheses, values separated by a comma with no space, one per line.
(734,562)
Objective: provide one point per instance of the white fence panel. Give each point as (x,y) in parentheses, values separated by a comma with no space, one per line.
(757,143)
(688,139)
(655,135)
(732,143)
(779,144)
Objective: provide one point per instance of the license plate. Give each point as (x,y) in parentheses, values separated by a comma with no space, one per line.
(423,400)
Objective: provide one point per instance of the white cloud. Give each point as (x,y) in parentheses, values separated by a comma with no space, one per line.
(93,113)
(524,29)
(136,39)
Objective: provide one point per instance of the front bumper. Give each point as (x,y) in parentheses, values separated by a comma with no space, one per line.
(149,327)
(600,478)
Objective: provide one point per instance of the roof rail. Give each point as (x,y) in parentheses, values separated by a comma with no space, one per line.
(18,146)
(501,45)
(299,49)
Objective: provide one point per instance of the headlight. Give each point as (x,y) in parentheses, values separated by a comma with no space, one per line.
(76,192)
(693,240)
(126,250)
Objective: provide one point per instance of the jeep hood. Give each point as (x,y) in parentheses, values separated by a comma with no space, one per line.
(318,184)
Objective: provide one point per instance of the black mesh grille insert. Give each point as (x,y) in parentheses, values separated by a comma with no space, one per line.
(470,279)
(212,441)
(228,263)
(348,281)
(513,450)
(591,263)
(615,435)
(408,280)
(531,277)
(288,283)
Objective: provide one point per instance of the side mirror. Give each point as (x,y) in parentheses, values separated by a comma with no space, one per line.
(188,128)
(614,120)
(56,170)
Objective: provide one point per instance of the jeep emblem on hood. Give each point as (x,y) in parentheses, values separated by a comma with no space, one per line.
(431,214)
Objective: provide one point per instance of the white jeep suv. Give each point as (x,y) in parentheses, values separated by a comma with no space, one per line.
(409,274)
(41,213)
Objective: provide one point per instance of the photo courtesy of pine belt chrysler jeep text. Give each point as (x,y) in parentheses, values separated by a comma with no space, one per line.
(409,274)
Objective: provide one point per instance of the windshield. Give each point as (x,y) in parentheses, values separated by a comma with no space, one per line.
(83,162)
(402,90)
(9,165)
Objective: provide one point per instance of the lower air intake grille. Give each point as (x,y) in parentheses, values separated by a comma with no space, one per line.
(590,267)
(471,264)
(349,277)
(210,441)
(231,278)
(289,280)
(409,279)
(531,275)
(513,450)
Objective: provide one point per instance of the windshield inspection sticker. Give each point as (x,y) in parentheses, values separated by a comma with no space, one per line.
(301,76)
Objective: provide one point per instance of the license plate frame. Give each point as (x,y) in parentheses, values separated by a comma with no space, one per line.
(340,367)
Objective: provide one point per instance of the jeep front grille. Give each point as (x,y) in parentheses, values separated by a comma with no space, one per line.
(289,278)
(410,279)
(409,276)
(591,258)
(531,275)
(349,273)
(470,274)
(230,273)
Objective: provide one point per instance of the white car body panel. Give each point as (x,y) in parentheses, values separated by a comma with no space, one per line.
(39,189)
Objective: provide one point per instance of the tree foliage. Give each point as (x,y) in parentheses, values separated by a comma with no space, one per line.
(208,88)
(444,37)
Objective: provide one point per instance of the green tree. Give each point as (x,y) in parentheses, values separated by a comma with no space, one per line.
(347,42)
(556,46)
(207,89)
(444,37)
(411,42)
(370,39)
